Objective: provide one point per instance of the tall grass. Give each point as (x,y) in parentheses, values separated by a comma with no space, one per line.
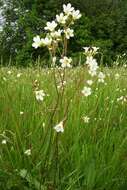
(87,156)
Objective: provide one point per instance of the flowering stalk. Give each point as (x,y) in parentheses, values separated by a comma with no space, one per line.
(58,32)
(93,69)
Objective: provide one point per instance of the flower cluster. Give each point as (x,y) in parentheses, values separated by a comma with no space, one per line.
(65,62)
(86,91)
(93,69)
(117,76)
(90,51)
(101,77)
(39,95)
(58,31)
(122,99)
(27,152)
(90,60)
(86,119)
(59,127)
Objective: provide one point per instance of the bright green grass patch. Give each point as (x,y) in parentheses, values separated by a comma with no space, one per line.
(87,156)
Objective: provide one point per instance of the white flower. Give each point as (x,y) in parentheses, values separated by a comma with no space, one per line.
(95,49)
(69,33)
(21,112)
(90,50)
(51,26)
(61,18)
(68,9)
(117,76)
(4,141)
(76,14)
(123,99)
(4,78)
(91,62)
(101,77)
(93,66)
(43,124)
(9,72)
(120,98)
(89,82)
(37,42)
(62,84)
(46,41)
(86,119)
(59,127)
(86,49)
(56,34)
(40,95)
(92,73)
(19,75)
(28,152)
(86,91)
(65,62)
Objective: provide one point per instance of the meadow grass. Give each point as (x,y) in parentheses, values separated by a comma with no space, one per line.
(88,155)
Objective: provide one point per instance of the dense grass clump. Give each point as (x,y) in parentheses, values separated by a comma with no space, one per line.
(91,153)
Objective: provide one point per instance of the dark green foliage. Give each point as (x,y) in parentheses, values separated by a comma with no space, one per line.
(103,23)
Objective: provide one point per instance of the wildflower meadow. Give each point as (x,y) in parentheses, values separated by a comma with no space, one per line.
(64,127)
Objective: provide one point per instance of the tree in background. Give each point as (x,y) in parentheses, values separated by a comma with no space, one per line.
(103,24)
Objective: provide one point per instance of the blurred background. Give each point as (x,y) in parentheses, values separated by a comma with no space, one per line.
(103,24)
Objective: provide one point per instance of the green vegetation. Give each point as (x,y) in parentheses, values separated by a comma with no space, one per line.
(103,24)
(90,154)
(63,127)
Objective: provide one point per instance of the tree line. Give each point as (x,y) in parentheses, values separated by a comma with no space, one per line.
(103,24)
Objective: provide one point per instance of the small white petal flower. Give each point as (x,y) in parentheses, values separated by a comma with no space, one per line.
(59,127)
(62,84)
(68,9)
(117,76)
(92,72)
(43,124)
(61,18)
(76,14)
(86,49)
(90,50)
(28,152)
(19,75)
(120,98)
(40,95)
(21,112)
(4,141)
(4,78)
(66,62)
(46,41)
(101,77)
(37,42)
(92,64)
(86,91)
(95,49)
(56,34)
(69,33)
(89,82)
(51,26)
(86,119)
(9,72)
